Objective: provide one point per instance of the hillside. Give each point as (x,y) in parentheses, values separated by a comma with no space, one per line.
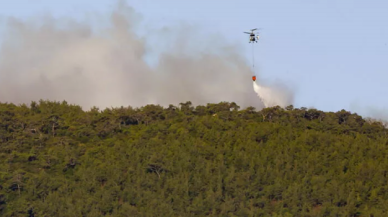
(210,160)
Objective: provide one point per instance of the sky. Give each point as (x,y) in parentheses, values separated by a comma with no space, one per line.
(332,53)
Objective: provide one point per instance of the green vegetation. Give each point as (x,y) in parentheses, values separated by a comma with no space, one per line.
(213,160)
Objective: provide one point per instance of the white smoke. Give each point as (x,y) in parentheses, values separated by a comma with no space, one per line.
(272,96)
(73,62)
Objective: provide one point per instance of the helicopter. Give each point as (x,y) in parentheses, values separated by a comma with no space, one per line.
(252,36)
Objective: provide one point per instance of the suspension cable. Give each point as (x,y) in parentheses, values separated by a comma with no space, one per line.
(253,57)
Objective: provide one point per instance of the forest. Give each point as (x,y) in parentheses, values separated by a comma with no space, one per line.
(57,159)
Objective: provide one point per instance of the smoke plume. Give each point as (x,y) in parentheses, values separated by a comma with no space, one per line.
(370,112)
(55,59)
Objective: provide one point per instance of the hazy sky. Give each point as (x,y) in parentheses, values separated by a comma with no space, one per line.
(334,53)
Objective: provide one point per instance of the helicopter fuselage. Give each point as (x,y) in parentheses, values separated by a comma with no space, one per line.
(252,38)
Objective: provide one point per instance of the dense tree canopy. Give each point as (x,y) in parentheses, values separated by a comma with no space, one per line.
(185,160)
